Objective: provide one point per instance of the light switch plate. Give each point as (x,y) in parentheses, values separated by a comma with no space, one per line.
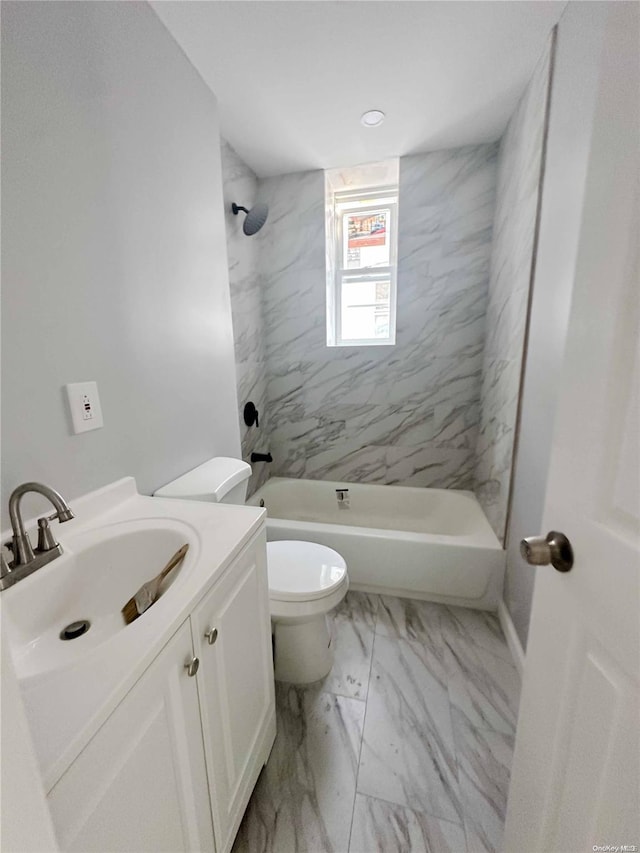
(84,404)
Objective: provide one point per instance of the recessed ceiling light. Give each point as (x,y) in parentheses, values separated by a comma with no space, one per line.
(372,118)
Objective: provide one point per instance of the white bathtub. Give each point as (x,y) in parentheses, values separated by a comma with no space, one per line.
(432,544)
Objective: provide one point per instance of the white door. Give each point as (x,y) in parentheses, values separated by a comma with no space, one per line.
(575,776)
(141,784)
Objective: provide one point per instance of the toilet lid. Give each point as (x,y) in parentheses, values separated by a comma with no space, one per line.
(303,571)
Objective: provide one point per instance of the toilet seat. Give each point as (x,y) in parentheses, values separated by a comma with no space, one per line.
(303,571)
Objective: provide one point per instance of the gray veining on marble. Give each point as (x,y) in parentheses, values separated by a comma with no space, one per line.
(408,753)
(407,414)
(409,619)
(519,174)
(462,625)
(382,827)
(405,746)
(483,687)
(352,626)
(484,765)
(303,800)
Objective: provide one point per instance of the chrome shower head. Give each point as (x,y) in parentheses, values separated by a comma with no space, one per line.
(255,219)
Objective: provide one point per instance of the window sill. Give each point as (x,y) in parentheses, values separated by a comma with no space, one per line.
(340,344)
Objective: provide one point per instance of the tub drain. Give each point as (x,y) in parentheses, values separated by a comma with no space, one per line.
(75,629)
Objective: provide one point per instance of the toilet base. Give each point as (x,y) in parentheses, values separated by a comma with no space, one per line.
(303,650)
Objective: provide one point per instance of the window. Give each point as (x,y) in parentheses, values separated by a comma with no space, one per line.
(361,274)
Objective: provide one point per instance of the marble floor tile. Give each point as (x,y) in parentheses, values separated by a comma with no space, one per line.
(304,797)
(484,766)
(483,687)
(381,827)
(405,746)
(476,628)
(352,625)
(409,619)
(407,752)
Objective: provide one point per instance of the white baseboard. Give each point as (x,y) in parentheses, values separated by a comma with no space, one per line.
(513,641)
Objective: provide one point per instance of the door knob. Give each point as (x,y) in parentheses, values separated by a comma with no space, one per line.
(553,548)
(211,635)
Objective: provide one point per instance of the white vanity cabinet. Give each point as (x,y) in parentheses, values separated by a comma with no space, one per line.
(174,765)
(141,784)
(232,639)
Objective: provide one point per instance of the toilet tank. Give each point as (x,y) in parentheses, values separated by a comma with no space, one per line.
(222,479)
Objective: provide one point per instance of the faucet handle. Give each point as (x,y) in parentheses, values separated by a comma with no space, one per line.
(20,547)
(46,539)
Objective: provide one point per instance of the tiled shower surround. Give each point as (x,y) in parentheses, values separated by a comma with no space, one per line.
(405,414)
(438,409)
(519,171)
(240,185)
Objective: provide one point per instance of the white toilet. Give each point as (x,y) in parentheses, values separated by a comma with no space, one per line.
(306,580)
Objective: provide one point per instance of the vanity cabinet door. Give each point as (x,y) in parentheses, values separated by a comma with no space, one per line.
(232,637)
(140,784)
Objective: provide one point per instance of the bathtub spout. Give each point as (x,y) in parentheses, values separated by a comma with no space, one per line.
(342,496)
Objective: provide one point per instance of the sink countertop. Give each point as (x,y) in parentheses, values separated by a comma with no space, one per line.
(66,706)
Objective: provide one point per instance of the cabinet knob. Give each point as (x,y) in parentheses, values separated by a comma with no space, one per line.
(192,666)
(211,635)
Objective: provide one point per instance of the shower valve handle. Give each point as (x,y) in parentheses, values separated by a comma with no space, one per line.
(250,414)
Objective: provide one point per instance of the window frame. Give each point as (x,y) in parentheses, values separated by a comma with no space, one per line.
(363,202)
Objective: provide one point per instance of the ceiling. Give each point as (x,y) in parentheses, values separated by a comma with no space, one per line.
(292,77)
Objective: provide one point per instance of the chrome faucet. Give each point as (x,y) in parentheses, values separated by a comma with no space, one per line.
(25,559)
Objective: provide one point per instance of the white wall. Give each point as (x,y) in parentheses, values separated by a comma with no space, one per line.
(114,256)
(573,96)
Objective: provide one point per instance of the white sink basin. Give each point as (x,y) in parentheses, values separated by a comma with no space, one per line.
(100,570)
(117,541)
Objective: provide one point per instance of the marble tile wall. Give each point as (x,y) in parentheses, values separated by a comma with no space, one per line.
(407,414)
(519,174)
(240,185)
